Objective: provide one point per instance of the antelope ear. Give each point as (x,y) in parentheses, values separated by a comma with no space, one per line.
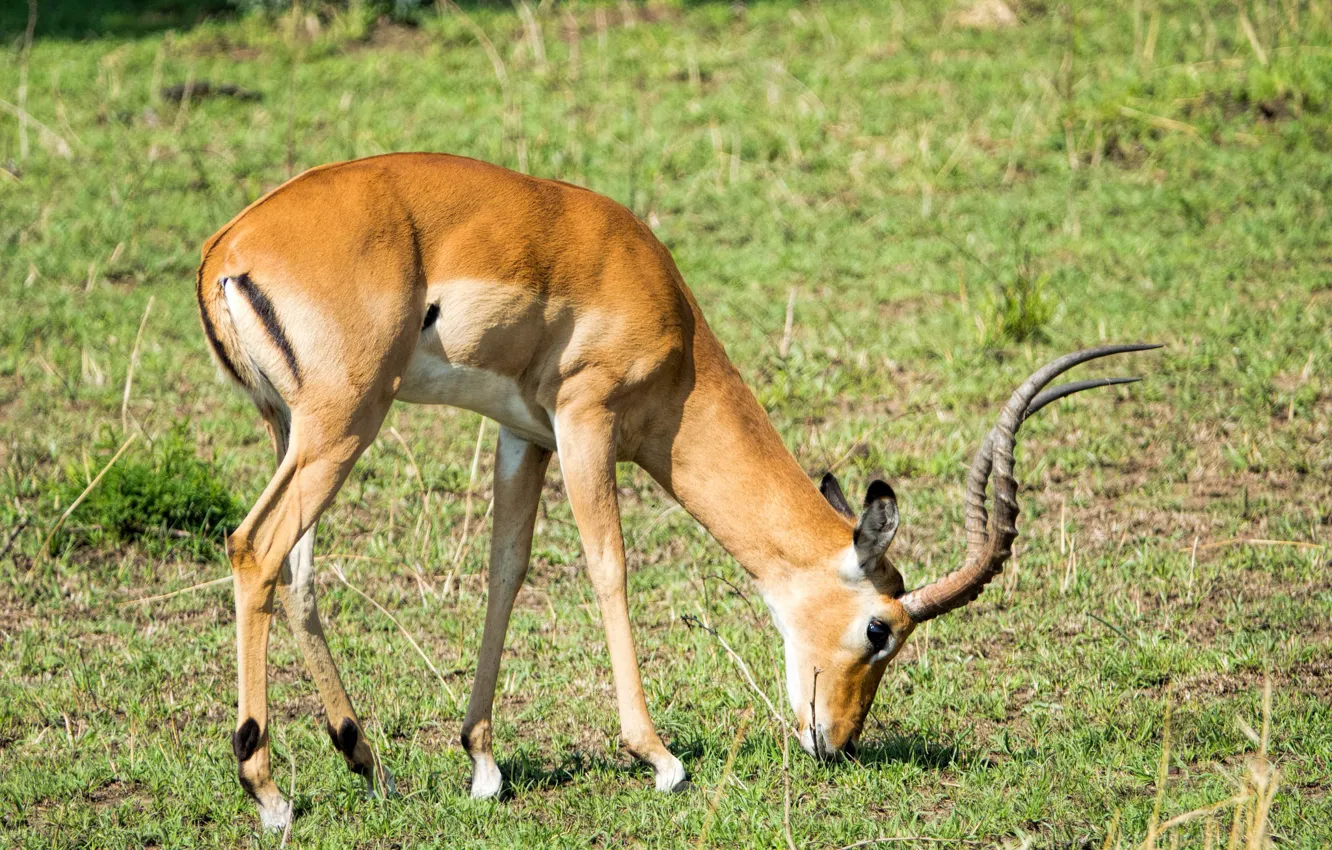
(832,491)
(877,525)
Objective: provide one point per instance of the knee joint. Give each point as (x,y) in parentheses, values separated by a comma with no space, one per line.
(241,552)
(248,568)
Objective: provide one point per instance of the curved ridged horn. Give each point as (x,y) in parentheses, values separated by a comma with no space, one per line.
(990,539)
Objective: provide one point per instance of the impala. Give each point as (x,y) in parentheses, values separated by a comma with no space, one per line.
(554,311)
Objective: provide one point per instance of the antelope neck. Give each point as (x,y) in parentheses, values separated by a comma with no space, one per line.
(729,469)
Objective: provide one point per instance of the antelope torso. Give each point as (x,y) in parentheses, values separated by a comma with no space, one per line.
(500,288)
(477,349)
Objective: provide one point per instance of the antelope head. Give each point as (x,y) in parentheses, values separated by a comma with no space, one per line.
(844,624)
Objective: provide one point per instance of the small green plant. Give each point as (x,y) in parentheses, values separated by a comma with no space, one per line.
(1019,309)
(167,498)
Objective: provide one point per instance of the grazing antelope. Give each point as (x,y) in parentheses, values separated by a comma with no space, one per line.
(554,311)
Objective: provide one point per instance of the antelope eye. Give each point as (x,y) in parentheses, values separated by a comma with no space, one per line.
(878,634)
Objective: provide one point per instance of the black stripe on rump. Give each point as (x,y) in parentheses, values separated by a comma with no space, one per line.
(211,332)
(432,313)
(263,308)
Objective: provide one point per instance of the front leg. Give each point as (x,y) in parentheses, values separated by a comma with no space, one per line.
(585,439)
(520,469)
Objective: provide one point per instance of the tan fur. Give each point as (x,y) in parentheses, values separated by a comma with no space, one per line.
(565,297)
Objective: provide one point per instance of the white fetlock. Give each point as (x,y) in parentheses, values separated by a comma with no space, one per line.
(486,779)
(276,817)
(671,776)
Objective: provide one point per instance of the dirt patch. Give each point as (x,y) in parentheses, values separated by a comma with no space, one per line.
(1310,678)
(1123,151)
(1233,105)
(118,792)
(115,794)
(222,45)
(391,36)
(987,15)
(1203,616)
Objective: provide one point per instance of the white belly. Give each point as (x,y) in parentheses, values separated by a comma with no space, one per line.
(431,379)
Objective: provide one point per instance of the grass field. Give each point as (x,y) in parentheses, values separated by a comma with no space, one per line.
(943,203)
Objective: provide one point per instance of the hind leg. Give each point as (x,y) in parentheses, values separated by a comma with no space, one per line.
(309,476)
(296,592)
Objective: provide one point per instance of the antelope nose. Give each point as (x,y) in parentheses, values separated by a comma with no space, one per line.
(807,741)
(817,742)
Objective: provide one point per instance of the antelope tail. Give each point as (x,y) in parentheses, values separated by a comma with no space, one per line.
(246,337)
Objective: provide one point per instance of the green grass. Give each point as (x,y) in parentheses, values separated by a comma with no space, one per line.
(1154,172)
(163,496)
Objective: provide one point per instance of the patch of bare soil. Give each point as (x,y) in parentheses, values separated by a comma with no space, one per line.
(222,45)
(391,36)
(1232,105)
(118,792)
(1313,678)
(114,794)
(987,15)
(1124,151)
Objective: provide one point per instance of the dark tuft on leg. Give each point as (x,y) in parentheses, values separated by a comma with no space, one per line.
(431,314)
(348,734)
(245,740)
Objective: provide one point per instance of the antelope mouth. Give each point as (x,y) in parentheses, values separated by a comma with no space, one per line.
(816,743)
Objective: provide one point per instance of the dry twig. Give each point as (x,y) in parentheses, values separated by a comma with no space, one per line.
(133,362)
(784,348)
(465,541)
(725,777)
(191,588)
(337,571)
(291,796)
(695,623)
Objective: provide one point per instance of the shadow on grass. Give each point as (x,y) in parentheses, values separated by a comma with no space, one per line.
(904,750)
(523,774)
